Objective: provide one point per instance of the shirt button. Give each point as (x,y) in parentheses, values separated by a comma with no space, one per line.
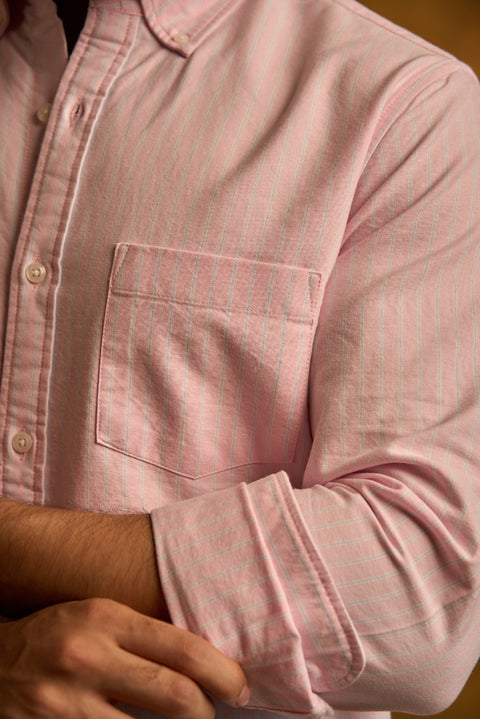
(36,273)
(22,442)
(43,112)
(181,38)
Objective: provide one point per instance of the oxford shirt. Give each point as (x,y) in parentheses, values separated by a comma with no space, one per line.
(239,247)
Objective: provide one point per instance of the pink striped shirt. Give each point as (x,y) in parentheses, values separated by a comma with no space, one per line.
(239,257)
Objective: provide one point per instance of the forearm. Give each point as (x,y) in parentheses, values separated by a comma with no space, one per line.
(54,555)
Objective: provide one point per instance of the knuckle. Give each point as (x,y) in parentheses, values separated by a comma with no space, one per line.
(45,699)
(96,610)
(184,696)
(74,654)
(191,652)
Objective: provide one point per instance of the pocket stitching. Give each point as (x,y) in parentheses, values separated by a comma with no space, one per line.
(313,288)
(220,308)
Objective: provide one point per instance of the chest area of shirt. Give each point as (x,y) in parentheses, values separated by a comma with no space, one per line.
(143,146)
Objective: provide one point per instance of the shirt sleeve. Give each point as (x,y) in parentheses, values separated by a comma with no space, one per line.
(360,591)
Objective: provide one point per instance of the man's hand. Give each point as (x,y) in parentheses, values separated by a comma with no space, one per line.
(77,659)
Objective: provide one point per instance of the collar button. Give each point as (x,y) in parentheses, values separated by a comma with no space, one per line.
(181,38)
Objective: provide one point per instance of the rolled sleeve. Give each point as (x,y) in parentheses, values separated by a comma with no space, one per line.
(239,567)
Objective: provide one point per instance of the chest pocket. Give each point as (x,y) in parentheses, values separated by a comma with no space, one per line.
(205,359)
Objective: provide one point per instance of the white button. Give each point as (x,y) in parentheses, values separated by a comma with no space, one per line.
(22,442)
(36,273)
(43,112)
(181,38)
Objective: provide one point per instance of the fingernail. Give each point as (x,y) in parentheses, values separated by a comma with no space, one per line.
(244,697)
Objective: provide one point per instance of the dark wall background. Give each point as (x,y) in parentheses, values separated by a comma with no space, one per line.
(453,25)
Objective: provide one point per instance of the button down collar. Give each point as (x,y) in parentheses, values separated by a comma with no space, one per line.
(4,16)
(184,26)
(180,26)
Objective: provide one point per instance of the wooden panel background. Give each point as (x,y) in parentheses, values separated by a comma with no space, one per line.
(453,25)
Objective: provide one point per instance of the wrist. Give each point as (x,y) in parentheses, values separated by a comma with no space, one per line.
(54,555)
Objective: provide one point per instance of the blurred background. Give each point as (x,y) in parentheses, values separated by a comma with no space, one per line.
(452,25)
(455,27)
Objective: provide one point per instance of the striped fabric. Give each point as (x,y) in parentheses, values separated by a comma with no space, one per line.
(239,264)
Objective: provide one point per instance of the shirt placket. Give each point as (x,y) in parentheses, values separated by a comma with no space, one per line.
(44,238)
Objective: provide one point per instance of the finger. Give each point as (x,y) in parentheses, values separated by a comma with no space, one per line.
(58,701)
(92,656)
(101,709)
(145,684)
(187,654)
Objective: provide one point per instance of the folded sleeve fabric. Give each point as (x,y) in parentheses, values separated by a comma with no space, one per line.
(240,568)
(359,590)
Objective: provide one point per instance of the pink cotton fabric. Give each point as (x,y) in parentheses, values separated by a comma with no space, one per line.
(259,226)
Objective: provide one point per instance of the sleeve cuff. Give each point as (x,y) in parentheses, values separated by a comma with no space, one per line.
(240,568)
